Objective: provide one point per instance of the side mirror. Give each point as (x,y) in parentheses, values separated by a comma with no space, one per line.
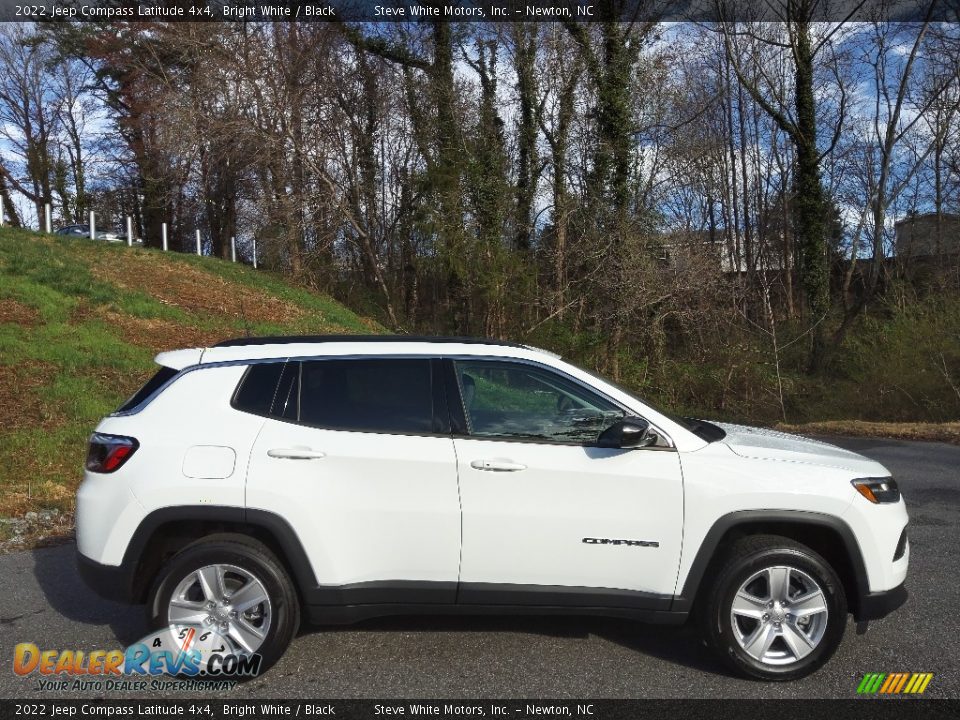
(630,432)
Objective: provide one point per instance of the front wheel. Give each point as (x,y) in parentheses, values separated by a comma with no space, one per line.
(776,611)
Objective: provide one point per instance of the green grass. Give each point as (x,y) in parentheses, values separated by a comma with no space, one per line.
(79,326)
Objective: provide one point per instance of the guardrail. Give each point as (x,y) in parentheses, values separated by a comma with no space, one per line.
(48,228)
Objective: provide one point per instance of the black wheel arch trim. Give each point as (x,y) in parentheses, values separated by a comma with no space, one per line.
(129,587)
(745,518)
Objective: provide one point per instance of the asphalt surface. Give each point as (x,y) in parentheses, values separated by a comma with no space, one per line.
(42,600)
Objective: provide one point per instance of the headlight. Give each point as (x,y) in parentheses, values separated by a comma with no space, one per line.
(878,490)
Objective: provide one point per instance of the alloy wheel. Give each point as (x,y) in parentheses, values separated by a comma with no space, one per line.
(779,615)
(227,599)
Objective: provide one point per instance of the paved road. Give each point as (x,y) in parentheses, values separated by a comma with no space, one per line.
(42,600)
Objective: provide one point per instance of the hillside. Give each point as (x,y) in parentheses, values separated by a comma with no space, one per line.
(80,323)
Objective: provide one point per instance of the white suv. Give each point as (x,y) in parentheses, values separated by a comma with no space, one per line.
(350,477)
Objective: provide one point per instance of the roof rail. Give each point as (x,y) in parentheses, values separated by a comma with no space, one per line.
(291,339)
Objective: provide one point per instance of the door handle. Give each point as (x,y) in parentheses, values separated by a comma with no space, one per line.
(497,465)
(296,453)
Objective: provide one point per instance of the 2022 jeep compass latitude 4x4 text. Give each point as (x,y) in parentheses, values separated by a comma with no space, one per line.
(342,478)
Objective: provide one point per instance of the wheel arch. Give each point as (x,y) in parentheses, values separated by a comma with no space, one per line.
(827,535)
(166,531)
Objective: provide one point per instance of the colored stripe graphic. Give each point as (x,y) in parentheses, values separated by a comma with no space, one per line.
(921,682)
(891,680)
(903,680)
(877,680)
(894,683)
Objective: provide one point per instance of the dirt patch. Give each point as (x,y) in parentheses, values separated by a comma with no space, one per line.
(157,334)
(21,396)
(948,432)
(193,290)
(17,313)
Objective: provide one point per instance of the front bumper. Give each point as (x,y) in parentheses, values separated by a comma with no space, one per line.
(111,582)
(876,605)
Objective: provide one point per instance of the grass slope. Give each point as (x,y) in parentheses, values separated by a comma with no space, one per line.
(80,323)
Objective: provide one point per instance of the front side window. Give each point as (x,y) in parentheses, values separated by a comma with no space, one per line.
(516,401)
(377,395)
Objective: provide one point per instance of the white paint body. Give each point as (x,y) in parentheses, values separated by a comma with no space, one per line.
(374,507)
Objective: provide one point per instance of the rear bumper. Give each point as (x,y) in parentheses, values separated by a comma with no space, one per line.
(111,582)
(874,606)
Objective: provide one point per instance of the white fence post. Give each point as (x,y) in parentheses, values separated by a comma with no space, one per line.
(198,243)
(46,218)
(254,253)
(129,231)
(93,226)
(233,248)
(163,231)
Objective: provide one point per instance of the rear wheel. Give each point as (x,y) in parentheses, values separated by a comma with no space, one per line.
(777,610)
(234,586)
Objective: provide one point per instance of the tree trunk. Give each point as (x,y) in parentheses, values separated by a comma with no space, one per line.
(526,188)
(6,204)
(808,200)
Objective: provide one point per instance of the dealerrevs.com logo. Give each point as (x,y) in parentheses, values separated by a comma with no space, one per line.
(901,683)
(198,657)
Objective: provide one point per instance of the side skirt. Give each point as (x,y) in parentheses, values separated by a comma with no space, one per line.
(350,603)
(349,614)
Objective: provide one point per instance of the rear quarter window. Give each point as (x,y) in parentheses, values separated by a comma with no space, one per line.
(258,387)
(159,379)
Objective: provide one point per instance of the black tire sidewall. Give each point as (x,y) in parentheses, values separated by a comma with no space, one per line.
(730,582)
(285,615)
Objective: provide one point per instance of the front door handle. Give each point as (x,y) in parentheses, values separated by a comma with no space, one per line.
(296,453)
(497,465)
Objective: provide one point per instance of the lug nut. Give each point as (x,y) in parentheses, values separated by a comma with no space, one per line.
(766,616)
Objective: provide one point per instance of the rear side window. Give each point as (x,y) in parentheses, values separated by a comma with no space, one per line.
(258,387)
(377,395)
(152,385)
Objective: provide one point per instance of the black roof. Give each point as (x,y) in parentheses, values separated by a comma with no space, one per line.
(290,339)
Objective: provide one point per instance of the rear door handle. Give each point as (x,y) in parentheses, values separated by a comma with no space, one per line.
(296,453)
(497,465)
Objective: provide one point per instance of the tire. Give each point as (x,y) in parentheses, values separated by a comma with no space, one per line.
(241,562)
(773,642)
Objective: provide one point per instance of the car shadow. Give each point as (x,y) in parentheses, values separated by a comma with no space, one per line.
(679,645)
(55,570)
(56,573)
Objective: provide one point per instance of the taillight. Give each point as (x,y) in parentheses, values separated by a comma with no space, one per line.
(108,453)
